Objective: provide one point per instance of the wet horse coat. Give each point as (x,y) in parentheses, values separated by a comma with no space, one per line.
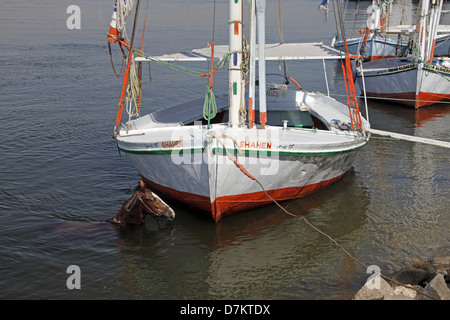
(142,203)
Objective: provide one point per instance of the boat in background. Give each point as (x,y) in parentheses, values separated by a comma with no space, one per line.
(221,156)
(419,80)
(374,42)
(386,36)
(373,46)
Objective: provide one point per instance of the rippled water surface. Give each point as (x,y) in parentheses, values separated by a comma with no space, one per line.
(62,176)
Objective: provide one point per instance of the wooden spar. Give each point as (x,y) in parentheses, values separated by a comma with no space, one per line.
(409,138)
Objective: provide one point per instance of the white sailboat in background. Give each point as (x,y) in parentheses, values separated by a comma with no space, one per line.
(416,81)
(387,34)
(375,41)
(207,155)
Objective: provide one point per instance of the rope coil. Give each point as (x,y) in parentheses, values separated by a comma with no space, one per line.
(210,105)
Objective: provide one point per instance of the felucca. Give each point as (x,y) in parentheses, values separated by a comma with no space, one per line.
(220,157)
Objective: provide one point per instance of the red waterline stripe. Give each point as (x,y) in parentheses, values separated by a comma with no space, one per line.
(409,98)
(227,205)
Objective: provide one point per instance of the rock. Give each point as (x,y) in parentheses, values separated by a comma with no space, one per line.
(408,293)
(437,288)
(420,279)
(415,274)
(423,265)
(374,292)
(440,263)
(397,297)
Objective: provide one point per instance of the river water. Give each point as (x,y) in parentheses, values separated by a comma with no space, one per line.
(62,176)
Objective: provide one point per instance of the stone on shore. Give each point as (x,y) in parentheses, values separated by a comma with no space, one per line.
(437,288)
(416,273)
(376,291)
(442,264)
(419,280)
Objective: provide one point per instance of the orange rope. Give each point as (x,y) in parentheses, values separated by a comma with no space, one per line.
(124,43)
(212,70)
(348,98)
(212,66)
(241,167)
(296,83)
(124,90)
(355,116)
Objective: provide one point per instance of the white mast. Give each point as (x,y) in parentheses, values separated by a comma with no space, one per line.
(422,38)
(373,21)
(235,81)
(434,23)
(252,64)
(260,13)
(423,29)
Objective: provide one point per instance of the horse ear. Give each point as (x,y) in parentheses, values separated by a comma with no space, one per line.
(142,184)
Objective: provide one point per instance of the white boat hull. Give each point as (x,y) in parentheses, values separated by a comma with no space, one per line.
(220,157)
(191,164)
(401,81)
(376,47)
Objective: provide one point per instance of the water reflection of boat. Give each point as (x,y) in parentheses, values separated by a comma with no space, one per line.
(236,258)
(427,116)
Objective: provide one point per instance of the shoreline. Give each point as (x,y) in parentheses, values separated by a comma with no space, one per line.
(418,280)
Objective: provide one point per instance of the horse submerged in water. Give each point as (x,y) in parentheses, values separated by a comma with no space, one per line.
(142,203)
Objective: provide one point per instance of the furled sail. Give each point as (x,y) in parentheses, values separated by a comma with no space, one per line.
(122,9)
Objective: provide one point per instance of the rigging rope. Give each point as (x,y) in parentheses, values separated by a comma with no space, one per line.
(124,8)
(189,70)
(355,115)
(244,72)
(210,106)
(126,79)
(133,92)
(124,57)
(117,32)
(279,16)
(393,99)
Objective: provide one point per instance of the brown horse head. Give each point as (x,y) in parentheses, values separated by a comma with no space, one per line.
(142,203)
